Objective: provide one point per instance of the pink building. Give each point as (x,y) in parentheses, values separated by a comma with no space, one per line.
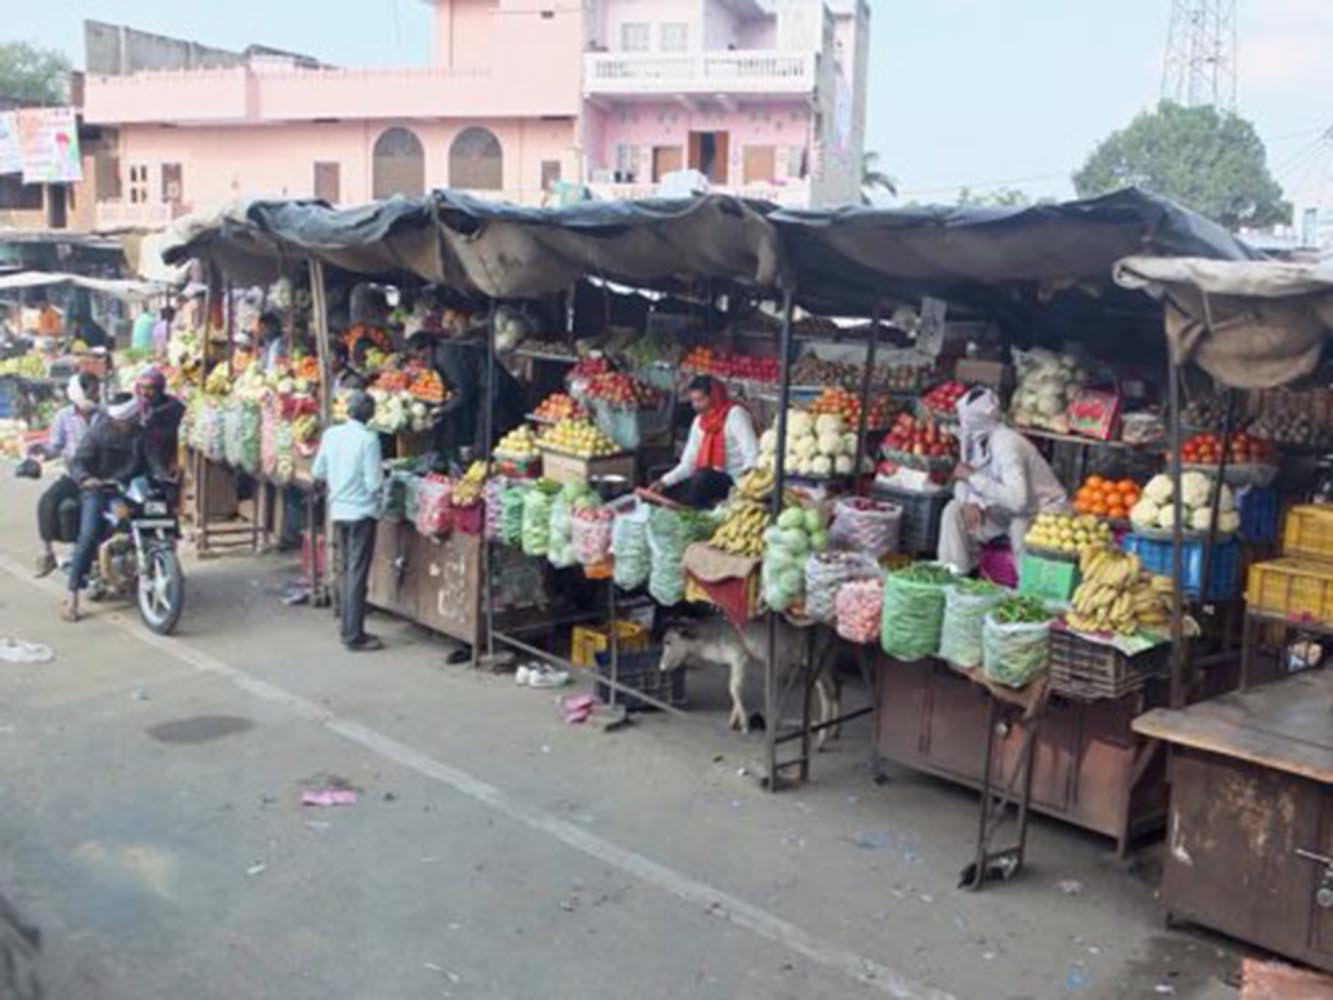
(616,94)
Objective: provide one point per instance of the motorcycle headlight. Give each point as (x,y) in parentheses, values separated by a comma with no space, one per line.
(120,510)
(155,507)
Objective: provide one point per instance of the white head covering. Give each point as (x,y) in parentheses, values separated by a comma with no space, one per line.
(978,415)
(74,390)
(123,409)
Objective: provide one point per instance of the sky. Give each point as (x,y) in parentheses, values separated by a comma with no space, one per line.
(976,93)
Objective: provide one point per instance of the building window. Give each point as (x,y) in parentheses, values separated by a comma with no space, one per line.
(16,195)
(399,165)
(475,161)
(673,36)
(626,163)
(635,36)
(328,182)
(172,183)
(138,184)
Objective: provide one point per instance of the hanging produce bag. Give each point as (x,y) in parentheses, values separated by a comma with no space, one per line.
(913,611)
(787,544)
(826,572)
(511,514)
(629,544)
(966,605)
(858,607)
(670,532)
(493,495)
(865,525)
(537,503)
(241,421)
(434,511)
(560,552)
(1016,641)
(591,532)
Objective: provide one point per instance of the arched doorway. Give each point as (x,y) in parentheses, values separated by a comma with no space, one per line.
(475,161)
(399,164)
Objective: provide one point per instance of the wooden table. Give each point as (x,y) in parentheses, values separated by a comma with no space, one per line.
(1250,830)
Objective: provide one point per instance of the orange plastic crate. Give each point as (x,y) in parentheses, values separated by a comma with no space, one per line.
(1309,531)
(1300,589)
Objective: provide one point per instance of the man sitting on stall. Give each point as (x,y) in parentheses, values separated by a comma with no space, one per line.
(720,448)
(67,432)
(1000,485)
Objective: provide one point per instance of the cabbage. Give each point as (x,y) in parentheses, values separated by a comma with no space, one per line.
(1158,489)
(819,540)
(829,444)
(792,517)
(828,423)
(821,465)
(796,541)
(1144,513)
(1195,489)
(811,521)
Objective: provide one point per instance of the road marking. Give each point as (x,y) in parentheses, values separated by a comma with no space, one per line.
(715,901)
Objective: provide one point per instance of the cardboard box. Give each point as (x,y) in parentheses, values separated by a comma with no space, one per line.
(565,468)
(997,374)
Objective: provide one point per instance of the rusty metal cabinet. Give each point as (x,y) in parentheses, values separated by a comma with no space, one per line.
(434,582)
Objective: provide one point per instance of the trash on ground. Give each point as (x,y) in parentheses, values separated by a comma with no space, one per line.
(872,841)
(17,651)
(258,868)
(1070,886)
(328,797)
(578,708)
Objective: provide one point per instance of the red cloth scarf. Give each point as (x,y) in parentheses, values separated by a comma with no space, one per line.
(712,422)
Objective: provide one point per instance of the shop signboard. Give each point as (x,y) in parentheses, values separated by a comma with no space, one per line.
(48,140)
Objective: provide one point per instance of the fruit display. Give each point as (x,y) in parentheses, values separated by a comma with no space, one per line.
(468,490)
(817,446)
(580,438)
(392,380)
(428,387)
(306,368)
(706,361)
(1047,384)
(798,532)
(1156,508)
(1067,533)
(559,406)
(742,531)
(848,406)
(1205,412)
(653,347)
(1117,595)
(25,366)
(1107,497)
(519,445)
(587,367)
(913,439)
(943,399)
(899,378)
(620,391)
(1243,449)
(396,412)
(755,485)
(1288,428)
(811,369)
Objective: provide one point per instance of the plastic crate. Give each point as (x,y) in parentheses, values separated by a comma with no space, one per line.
(9,398)
(1309,531)
(1224,574)
(1048,579)
(1090,671)
(1257,507)
(587,641)
(640,671)
(1300,589)
(919,534)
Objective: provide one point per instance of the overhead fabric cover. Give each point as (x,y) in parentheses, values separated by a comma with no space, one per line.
(1269,318)
(130,291)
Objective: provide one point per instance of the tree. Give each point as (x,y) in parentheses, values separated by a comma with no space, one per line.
(1211,161)
(873,179)
(33,75)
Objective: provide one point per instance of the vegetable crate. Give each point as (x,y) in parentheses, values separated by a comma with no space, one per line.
(1224,574)
(1292,588)
(1048,579)
(920,530)
(640,672)
(1309,531)
(1091,671)
(589,640)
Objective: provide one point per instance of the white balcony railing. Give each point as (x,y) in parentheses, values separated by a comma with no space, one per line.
(789,194)
(757,72)
(112,215)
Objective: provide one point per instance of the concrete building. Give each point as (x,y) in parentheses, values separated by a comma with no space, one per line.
(766,100)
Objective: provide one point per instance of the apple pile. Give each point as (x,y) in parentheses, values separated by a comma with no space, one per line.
(620,391)
(921,438)
(847,405)
(1245,449)
(559,406)
(593,364)
(943,399)
(706,361)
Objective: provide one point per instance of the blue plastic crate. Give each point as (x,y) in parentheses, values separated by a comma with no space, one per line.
(9,398)
(1257,506)
(1224,573)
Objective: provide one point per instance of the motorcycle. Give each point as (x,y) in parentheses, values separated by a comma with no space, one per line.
(136,559)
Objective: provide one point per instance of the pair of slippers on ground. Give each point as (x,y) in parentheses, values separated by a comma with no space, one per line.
(540,675)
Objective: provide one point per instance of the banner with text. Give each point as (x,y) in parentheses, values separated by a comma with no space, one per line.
(49,145)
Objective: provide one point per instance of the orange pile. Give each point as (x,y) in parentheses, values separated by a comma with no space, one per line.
(1107,497)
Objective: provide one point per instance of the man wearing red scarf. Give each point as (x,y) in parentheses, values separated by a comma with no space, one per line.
(720,448)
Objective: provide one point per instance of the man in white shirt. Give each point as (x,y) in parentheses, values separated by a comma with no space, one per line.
(721,447)
(349,462)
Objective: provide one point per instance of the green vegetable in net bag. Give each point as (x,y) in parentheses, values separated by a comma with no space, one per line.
(966,605)
(1016,641)
(913,611)
(511,514)
(561,553)
(629,545)
(669,534)
(537,504)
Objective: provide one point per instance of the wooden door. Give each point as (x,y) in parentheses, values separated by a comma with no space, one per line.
(666,160)
(328,182)
(760,164)
(721,158)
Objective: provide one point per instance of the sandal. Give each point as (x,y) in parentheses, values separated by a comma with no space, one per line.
(45,565)
(69,610)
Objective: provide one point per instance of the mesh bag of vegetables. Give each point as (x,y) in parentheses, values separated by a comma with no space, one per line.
(241,422)
(913,611)
(433,515)
(858,608)
(966,605)
(1016,640)
(629,544)
(560,552)
(536,530)
(826,572)
(511,513)
(493,499)
(867,525)
(670,532)
(787,544)
(591,533)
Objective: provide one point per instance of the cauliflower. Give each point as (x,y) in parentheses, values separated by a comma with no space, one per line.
(799,424)
(1228,522)
(1143,514)
(804,447)
(843,465)
(829,444)
(1228,501)
(803,466)
(1203,518)
(1166,517)
(1195,489)
(821,465)
(828,423)
(1158,489)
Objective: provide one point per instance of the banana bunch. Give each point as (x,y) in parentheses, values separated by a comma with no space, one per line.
(468,489)
(742,533)
(1118,595)
(756,485)
(217,383)
(305,428)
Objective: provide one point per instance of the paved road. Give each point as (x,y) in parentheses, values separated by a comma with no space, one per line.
(150,826)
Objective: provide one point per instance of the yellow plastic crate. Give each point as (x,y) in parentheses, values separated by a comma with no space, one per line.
(1309,531)
(1300,589)
(589,640)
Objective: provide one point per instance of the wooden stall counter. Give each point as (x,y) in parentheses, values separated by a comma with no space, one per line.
(1250,830)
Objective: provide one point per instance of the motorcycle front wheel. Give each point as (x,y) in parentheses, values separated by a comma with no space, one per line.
(161,590)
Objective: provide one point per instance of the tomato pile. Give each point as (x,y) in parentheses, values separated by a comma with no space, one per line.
(1245,449)
(706,361)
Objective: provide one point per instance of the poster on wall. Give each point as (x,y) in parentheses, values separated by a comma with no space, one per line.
(11,162)
(49,145)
